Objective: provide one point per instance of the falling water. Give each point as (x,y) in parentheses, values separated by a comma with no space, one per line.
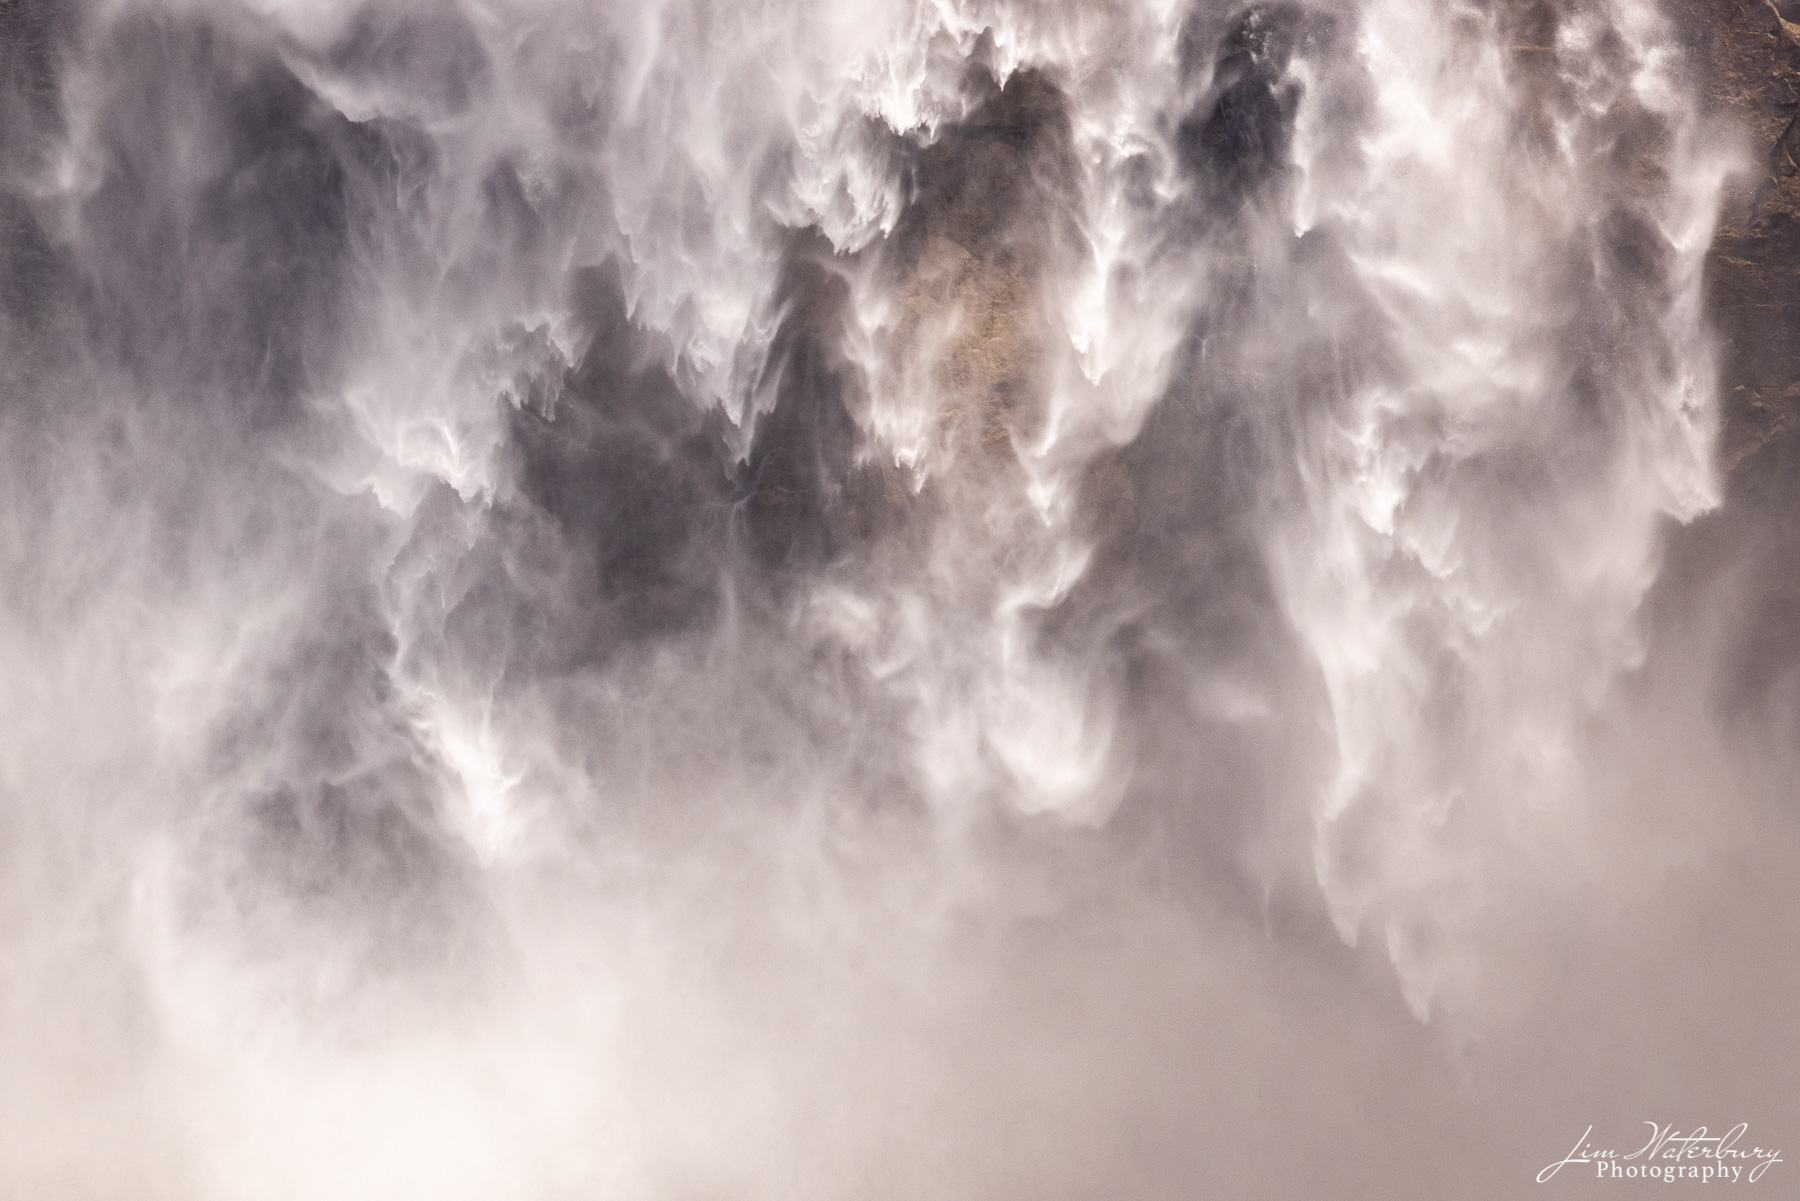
(916,598)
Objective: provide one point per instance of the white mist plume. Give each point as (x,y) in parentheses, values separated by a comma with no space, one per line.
(953,599)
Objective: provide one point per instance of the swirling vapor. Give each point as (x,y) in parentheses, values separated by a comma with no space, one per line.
(915,598)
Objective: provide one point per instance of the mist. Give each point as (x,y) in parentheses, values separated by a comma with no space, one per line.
(683,599)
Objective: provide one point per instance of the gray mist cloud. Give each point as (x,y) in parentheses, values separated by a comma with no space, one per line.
(668,599)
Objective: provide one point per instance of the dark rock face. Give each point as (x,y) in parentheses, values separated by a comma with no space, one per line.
(1243,137)
(1750,51)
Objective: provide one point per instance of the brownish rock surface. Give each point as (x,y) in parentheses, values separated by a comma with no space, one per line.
(1749,51)
(1746,558)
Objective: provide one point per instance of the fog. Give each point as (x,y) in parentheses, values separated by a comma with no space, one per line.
(683,599)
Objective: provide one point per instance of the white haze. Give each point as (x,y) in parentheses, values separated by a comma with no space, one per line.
(785,599)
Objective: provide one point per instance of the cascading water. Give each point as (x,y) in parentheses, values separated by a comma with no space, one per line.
(673,598)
